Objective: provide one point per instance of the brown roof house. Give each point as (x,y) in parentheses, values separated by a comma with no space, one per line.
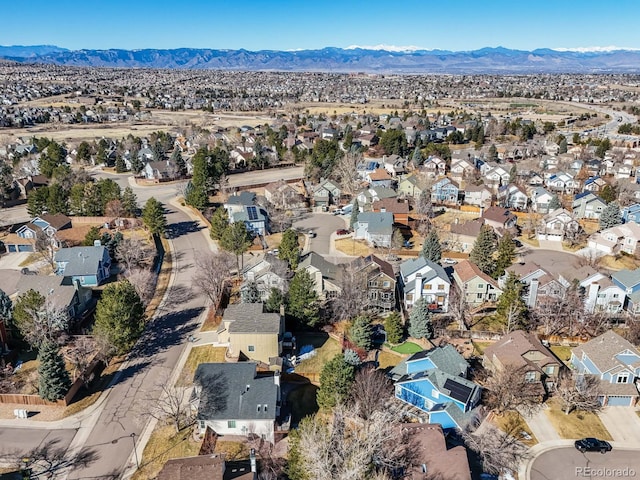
(478,287)
(523,350)
(462,236)
(210,467)
(399,208)
(501,219)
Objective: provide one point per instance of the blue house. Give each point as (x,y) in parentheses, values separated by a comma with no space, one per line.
(616,362)
(89,266)
(435,382)
(629,281)
(631,213)
(445,191)
(243,208)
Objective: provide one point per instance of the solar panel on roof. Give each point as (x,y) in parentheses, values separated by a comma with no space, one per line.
(252,213)
(458,392)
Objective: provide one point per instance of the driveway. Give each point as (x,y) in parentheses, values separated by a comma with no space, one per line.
(567,463)
(623,424)
(323,225)
(541,426)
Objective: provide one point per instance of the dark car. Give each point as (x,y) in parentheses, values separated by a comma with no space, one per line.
(342,231)
(593,445)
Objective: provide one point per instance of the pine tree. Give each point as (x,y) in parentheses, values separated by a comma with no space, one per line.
(153,216)
(431,248)
(554,203)
(336,379)
(275,299)
(483,250)
(506,254)
(393,327)
(352,357)
(420,325)
(121,167)
(361,332)
(354,214)
(249,293)
(289,249)
(54,381)
(219,223)
(129,202)
(303,300)
(511,310)
(92,235)
(237,240)
(610,216)
(562,146)
(197,193)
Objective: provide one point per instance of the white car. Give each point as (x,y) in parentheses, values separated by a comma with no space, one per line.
(449,261)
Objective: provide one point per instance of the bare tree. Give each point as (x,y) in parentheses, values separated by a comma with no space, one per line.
(508,389)
(80,354)
(43,246)
(579,392)
(114,208)
(352,299)
(370,392)
(132,252)
(345,172)
(499,451)
(458,307)
(213,273)
(171,405)
(561,313)
(144,281)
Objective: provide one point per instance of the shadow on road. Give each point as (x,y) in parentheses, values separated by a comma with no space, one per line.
(176,230)
(167,330)
(129,371)
(179,294)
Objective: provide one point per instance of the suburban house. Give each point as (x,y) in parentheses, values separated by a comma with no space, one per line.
(233,399)
(252,333)
(462,236)
(326,193)
(162,170)
(242,208)
(423,278)
(411,186)
(562,183)
(629,281)
(540,200)
(267,272)
(614,240)
(512,196)
(615,361)
(435,382)
(593,184)
(25,236)
(631,213)
(604,295)
(374,227)
(379,280)
(90,266)
(500,219)
(461,169)
(478,287)
(327,276)
(588,205)
(379,178)
(399,209)
(394,164)
(62,294)
(283,195)
(434,166)
(445,191)
(556,225)
(211,467)
(374,194)
(539,285)
(478,195)
(432,458)
(523,351)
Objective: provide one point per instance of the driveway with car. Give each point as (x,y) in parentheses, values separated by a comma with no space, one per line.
(322,225)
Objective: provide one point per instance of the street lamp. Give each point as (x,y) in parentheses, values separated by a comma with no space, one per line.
(26,471)
(135,452)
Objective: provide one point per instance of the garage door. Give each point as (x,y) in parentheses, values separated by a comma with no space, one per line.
(618,401)
(25,248)
(12,248)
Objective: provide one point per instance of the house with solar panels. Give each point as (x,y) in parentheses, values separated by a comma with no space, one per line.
(435,382)
(243,208)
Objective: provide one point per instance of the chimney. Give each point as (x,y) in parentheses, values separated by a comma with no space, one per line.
(252,459)
(592,297)
(533,293)
(282,310)
(417,287)
(276,378)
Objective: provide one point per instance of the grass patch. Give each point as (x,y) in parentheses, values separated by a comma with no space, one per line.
(562,352)
(198,355)
(529,241)
(388,359)
(232,450)
(407,348)
(326,348)
(513,422)
(302,402)
(577,424)
(212,322)
(356,248)
(619,262)
(480,347)
(164,445)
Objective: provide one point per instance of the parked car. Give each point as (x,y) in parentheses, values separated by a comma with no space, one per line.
(449,261)
(312,234)
(342,231)
(592,445)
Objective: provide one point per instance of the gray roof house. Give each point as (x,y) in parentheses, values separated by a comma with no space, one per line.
(326,276)
(423,278)
(233,399)
(60,292)
(90,266)
(374,227)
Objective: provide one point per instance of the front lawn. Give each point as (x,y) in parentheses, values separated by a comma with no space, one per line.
(326,348)
(577,424)
(388,360)
(198,355)
(512,422)
(164,445)
(406,348)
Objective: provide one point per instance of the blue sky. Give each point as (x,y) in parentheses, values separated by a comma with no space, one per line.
(304,24)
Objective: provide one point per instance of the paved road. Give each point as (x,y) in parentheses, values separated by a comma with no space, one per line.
(16,442)
(323,225)
(258,177)
(567,463)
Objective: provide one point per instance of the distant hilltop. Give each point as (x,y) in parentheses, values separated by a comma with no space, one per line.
(345,60)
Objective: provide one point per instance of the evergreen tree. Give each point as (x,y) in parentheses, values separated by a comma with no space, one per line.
(554,203)
(6,310)
(92,235)
(57,199)
(129,202)
(275,299)
(352,357)
(336,379)
(610,216)
(506,254)
(416,158)
(609,193)
(237,240)
(153,216)
(431,248)
(354,214)
(296,463)
(420,325)
(361,332)
(511,310)
(483,250)
(119,317)
(121,167)
(303,302)
(54,381)
(562,146)
(289,249)
(394,328)
(249,293)
(198,194)
(219,223)
(178,161)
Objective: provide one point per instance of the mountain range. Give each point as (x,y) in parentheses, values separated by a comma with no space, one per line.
(497,60)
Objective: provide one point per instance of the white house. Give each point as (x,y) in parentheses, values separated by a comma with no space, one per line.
(423,278)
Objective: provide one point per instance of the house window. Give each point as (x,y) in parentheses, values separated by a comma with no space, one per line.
(479,296)
(259,407)
(386,284)
(481,285)
(264,407)
(435,393)
(428,286)
(549,369)
(530,377)
(251,348)
(373,283)
(622,378)
(201,425)
(231,424)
